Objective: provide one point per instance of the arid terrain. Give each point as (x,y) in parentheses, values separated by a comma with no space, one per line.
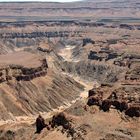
(76,64)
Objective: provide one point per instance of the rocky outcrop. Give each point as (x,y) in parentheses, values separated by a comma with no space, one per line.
(94,56)
(87,41)
(133,111)
(112,56)
(69,22)
(104,54)
(63,123)
(94,101)
(48,23)
(126,26)
(106,104)
(44,50)
(121,63)
(60,120)
(120,105)
(128,60)
(37,34)
(124,99)
(133,75)
(91,93)
(39,95)
(95,92)
(95,97)
(21,73)
(91,71)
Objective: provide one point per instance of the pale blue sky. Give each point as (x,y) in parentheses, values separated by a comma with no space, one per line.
(40,0)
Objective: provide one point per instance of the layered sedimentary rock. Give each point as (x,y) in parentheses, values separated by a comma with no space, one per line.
(39,93)
(19,73)
(124,98)
(29,86)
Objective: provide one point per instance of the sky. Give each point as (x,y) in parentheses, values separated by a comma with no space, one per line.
(40,0)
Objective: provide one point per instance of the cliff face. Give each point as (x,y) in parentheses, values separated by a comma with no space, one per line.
(42,11)
(93,71)
(17,72)
(28,90)
(42,94)
(53,54)
(30,85)
(36,34)
(20,35)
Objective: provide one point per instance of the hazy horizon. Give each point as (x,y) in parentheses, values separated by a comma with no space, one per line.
(39,0)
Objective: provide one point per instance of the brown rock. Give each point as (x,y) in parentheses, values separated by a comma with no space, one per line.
(106,104)
(60,120)
(93,101)
(40,124)
(133,111)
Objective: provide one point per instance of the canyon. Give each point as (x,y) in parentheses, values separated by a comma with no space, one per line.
(76,64)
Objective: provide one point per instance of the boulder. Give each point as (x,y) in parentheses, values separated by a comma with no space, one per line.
(91,93)
(40,124)
(87,41)
(106,104)
(60,120)
(133,111)
(120,105)
(93,101)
